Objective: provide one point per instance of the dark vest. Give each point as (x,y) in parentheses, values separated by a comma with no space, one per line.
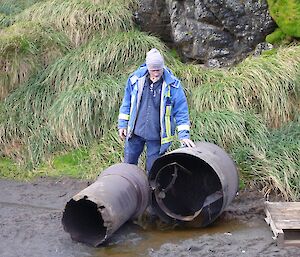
(147,123)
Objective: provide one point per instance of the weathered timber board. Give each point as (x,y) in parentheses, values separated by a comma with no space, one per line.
(284,220)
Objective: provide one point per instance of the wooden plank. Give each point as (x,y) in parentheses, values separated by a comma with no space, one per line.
(290,243)
(280,205)
(287,224)
(284,220)
(291,237)
(286,215)
(270,222)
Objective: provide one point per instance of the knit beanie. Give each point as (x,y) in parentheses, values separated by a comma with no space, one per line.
(154,60)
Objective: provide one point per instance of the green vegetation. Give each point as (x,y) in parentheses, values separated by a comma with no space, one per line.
(276,167)
(82,19)
(286,13)
(8,10)
(10,170)
(276,37)
(229,129)
(25,49)
(9,7)
(63,68)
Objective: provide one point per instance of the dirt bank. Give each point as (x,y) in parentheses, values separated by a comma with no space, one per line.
(30,225)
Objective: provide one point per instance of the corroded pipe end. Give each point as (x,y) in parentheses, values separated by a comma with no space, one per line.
(192,186)
(120,193)
(83,220)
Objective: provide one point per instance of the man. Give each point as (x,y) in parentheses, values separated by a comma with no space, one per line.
(153,103)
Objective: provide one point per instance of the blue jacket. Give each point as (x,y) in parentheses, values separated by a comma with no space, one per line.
(173,108)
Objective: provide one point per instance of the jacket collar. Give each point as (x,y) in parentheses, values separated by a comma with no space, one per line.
(168,76)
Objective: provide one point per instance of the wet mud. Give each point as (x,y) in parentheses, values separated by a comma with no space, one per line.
(30,226)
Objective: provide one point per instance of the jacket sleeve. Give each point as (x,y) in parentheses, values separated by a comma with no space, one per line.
(124,112)
(181,114)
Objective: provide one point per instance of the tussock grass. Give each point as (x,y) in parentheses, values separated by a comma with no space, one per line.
(31,147)
(118,53)
(83,162)
(8,10)
(74,117)
(283,160)
(226,92)
(112,55)
(268,85)
(106,152)
(75,99)
(275,168)
(26,48)
(81,19)
(194,75)
(24,138)
(39,145)
(271,85)
(5,20)
(86,111)
(9,7)
(229,129)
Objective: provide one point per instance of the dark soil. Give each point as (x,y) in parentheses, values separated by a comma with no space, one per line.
(30,225)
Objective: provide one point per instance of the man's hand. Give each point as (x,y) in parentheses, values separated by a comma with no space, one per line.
(187,142)
(122,133)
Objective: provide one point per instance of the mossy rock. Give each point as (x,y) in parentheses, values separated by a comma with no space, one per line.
(286,14)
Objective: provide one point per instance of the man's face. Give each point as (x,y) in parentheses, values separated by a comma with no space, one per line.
(155,75)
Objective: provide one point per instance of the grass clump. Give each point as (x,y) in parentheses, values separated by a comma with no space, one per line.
(226,92)
(81,19)
(9,7)
(83,162)
(229,129)
(118,53)
(8,10)
(73,103)
(275,168)
(86,111)
(5,20)
(9,169)
(267,85)
(271,84)
(25,48)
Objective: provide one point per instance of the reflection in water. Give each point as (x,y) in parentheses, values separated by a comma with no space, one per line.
(132,240)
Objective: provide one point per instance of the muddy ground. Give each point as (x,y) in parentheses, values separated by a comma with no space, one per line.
(30,226)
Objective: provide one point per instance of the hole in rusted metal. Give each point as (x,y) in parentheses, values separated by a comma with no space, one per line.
(84,222)
(185,186)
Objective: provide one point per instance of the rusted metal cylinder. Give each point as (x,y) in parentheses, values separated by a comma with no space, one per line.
(192,186)
(120,193)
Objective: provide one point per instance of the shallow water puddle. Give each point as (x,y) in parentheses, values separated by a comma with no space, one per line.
(132,240)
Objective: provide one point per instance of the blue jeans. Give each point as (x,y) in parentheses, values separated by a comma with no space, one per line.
(134,147)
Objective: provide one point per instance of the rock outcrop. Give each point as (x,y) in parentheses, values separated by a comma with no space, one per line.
(213,32)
